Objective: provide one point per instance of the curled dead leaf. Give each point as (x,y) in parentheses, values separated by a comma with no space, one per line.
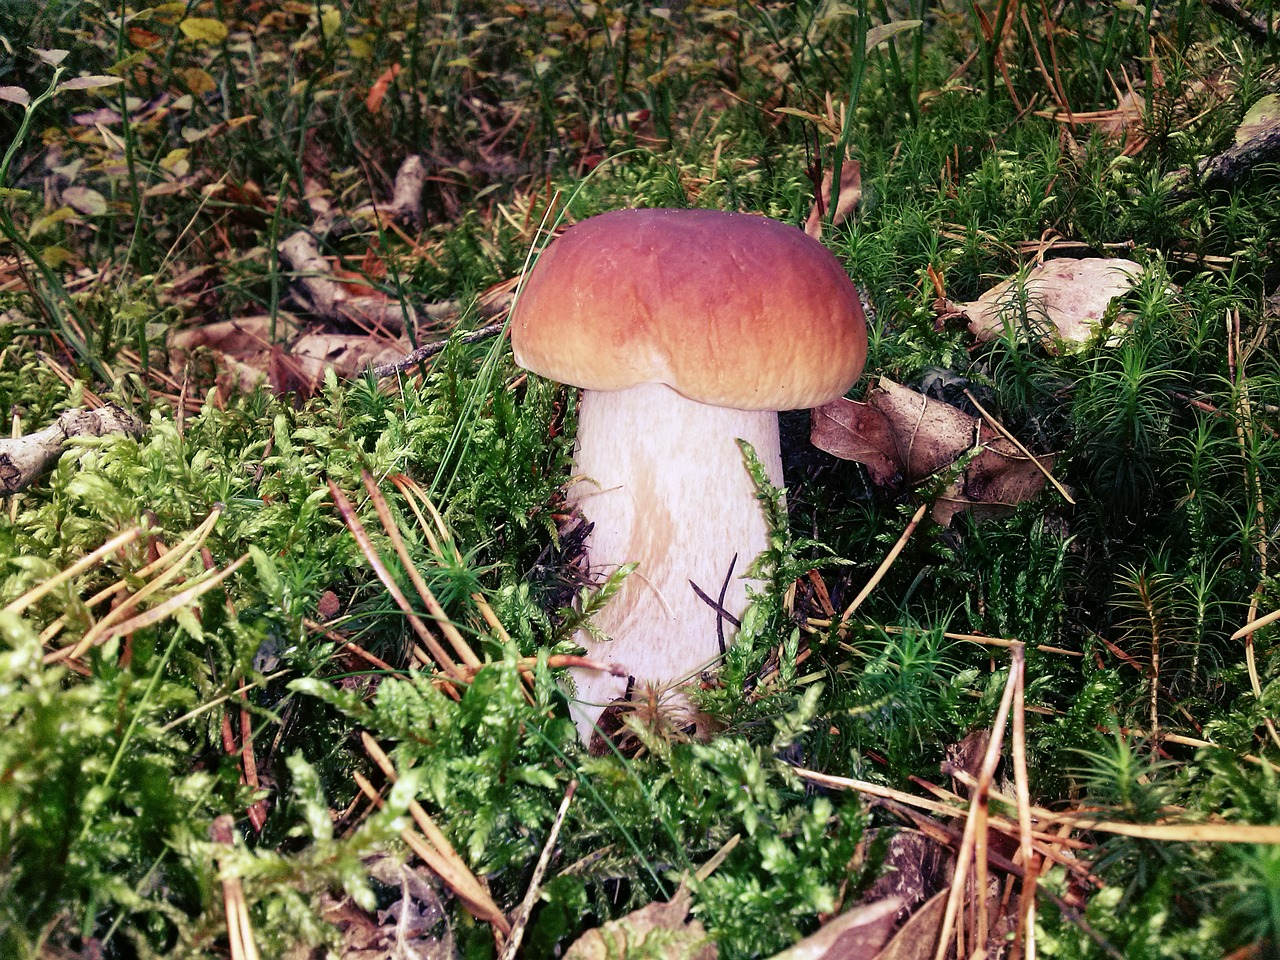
(856,934)
(846,200)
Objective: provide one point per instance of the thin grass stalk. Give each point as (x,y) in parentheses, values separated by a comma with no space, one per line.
(1236,359)
(175,560)
(851,104)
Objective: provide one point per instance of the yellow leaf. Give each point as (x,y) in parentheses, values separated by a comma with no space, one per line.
(121,67)
(198,81)
(204,28)
(175,161)
(360,49)
(330,21)
(46,223)
(813,118)
(55,256)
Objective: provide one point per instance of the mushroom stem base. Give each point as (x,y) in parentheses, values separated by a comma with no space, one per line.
(664,484)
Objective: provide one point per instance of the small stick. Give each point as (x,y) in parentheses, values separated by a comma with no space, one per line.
(535,883)
(429,350)
(971,637)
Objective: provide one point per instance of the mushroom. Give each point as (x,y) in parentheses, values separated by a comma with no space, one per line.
(687,330)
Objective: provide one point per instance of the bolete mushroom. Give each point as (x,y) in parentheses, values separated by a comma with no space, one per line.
(687,330)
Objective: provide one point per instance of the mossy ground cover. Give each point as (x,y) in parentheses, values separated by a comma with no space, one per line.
(158,202)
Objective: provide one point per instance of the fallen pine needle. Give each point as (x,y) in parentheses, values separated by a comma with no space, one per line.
(84,563)
(451,867)
(885,564)
(239,930)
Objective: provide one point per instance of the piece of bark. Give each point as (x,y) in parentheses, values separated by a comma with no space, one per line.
(404,208)
(23,459)
(406,199)
(919,935)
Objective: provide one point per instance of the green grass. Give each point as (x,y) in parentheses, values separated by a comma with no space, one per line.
(110,779)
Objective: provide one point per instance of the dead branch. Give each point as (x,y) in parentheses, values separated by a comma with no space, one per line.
(429,350)
(1252,25)
(1232,164)
(23,459)
(324,295)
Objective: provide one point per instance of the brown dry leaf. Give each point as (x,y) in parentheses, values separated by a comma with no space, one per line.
(378,92)
(994,482)
(846,202)
(241,352)
(413,926)
(929,434)
(858,431)
(664,927)
(919,935)
(896,433)
(857,934)
(1065,300)
(348,355)
(901,435)
(235,353)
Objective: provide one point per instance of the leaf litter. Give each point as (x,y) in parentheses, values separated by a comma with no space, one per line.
(905,438)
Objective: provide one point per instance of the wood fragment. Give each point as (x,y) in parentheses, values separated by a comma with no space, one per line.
(1252,25)
(24,459)
(525,910)
(325,295)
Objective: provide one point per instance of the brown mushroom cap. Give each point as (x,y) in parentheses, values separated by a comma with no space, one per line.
(725,308)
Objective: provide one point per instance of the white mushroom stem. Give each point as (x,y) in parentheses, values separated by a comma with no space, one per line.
(664,482)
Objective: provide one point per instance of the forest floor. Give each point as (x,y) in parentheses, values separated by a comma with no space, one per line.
(285,616)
